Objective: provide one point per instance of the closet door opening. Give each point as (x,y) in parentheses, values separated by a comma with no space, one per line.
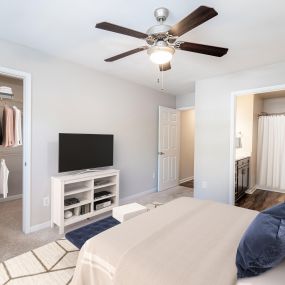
(24,223)
(11,154)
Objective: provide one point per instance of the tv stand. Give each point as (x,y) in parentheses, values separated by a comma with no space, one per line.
(87,171)
(82,186)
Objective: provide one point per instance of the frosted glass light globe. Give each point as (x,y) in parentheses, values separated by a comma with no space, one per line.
(161,56)
(160,53)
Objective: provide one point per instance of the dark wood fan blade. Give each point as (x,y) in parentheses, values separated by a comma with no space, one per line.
(196,18)
(165,67)
(204,49)
(122,55)
(121,30)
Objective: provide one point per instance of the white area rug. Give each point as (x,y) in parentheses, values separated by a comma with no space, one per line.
(51,264)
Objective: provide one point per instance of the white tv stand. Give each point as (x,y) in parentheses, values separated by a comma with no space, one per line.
(82,186)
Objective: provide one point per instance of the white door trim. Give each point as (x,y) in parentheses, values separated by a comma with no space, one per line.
(27,115)
(186,108)
(233,127)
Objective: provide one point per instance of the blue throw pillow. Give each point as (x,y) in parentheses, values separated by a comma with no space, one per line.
(263,244)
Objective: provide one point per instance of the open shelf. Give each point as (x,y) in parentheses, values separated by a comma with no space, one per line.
(106,209)
(77,191)
(81,203)
(104,185)
(82,187)
(105,197)
(75,219)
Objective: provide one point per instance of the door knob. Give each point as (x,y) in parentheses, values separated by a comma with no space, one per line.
(161,153)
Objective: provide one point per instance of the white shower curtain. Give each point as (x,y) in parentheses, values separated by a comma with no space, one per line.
(271,152)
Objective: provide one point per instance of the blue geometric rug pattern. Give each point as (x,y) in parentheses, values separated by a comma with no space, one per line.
(79,236)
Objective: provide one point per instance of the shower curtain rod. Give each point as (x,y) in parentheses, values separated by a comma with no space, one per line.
(263,114)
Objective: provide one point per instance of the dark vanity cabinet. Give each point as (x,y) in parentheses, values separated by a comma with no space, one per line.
(241,177)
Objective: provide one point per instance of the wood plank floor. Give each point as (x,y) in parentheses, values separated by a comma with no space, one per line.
(189,184)
(261,200)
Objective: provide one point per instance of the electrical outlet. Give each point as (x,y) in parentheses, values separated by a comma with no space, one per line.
(153,175)
(46,201)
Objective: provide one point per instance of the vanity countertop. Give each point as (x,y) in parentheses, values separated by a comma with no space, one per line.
(242,156)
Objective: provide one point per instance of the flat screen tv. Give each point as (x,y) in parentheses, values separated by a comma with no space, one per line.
(84,151)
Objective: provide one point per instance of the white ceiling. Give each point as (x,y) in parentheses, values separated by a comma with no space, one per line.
(252,30)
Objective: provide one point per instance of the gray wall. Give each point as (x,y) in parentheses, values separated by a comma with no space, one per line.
(213,126)
(274,105)
(185,101)
(70,98)
(13,156)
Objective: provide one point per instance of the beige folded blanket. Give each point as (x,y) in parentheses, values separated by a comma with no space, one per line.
(184,242)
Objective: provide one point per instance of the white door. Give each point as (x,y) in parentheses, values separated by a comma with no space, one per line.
(168,148)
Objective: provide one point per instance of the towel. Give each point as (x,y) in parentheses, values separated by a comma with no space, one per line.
(4,174)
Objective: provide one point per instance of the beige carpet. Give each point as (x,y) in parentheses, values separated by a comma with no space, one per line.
(14,242)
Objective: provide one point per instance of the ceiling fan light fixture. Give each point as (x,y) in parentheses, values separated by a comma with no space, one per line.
(161,55)
(161,39)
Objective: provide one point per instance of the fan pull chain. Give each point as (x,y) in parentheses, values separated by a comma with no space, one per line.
(160,80)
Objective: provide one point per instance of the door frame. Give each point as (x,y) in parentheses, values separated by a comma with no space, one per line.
(187,109)
(27,119)
(233,99)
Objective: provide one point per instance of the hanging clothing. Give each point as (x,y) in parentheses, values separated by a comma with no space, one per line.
(17,126)
(1,133)
(8,127)
(4,174)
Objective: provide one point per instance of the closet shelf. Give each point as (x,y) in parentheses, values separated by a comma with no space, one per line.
(6,95)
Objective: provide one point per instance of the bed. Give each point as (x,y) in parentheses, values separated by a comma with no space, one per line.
(186,241)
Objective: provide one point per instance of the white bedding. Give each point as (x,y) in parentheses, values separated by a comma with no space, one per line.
(184,242)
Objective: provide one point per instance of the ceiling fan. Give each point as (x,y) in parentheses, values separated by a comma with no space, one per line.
(162,40)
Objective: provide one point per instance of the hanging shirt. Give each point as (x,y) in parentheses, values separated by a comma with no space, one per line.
(1,133)
(17,117)
(4,173)
(8,127)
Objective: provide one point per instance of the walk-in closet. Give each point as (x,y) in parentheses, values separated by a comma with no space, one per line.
(11,155)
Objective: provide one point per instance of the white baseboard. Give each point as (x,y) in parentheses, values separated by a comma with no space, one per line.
(39,227)
(186,179)
(11,198)
(269,189)
(251,190)
(138,195)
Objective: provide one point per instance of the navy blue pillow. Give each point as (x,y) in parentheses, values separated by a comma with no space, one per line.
(263,244)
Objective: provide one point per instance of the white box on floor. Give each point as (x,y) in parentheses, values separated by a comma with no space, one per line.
(128,211)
